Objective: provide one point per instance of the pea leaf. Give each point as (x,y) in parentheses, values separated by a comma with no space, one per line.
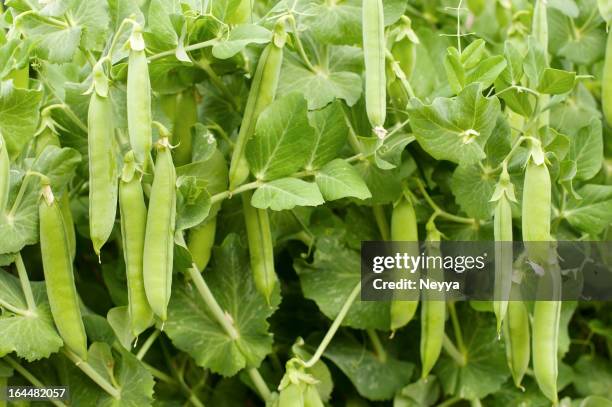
(31,337)
(338,179)
(239,38)
(593,212)
(192,203)
(19,226)
(593,376)
(473,188)
(286,193)
(58,164)
(329,280)
(556,81)
(586,149)
(330,131)
(232,285)
(423,392)
(334,23)
(455,129)
(18,116)
(283,139)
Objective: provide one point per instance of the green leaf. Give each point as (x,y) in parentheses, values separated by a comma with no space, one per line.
(329,280)
(283,139)
(56,43)
(372,378)
(18,116)
(33,336)
(487,71)
(593,212)
(473,188)
(455,129)
(330,131)
(93,19)
(334,23)
(194,330)
(423,392)
(454,71)
(119,320)
(485,370)
(586,149)
(58,164)
(210,174)
(605,9)
(556,81)
(593,376)
(584,45)
(239,38)
(338,179)
(192,202)
(19,226)
(286,193)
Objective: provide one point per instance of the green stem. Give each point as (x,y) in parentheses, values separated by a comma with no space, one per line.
(217,81)
(193,47)
(212,303)
(260,384)
(381,221)
(15,310)
(440,212)
(159,374)
(380,351)
(456,327)
(450,402)
(25,283)
(29,377)
(93,374)
(20,194)
(300,46)
(334,327)
(452,351)
(147,345)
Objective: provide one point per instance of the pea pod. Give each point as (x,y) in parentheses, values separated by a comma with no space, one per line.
(539,30)
(433,311)
(187,109)
(159,234)
(5,168)
(606,82)
(102,166)
(404,47)
(200,242)
(139,99)
(374,59)
(312,397)
(261,247)
(133,214)
(502,229)
(291,396)
(59,278)
(263,90)
(404,229)
(516,335)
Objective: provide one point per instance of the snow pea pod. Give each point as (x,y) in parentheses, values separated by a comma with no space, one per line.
(291,396)
(312,397)
(103,178)
(606,82)
(187,109)
(5,167)
(261,247)
(159,233)
(374,59)
(404,229)
(133,212)
(59,278)
(516,335)
(200,242)
(433,311)
(262,93)
(139,99)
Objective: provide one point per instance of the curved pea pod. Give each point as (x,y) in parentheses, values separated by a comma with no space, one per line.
(133,214)
(261,248)
(103,177)
(200,242)
(139,99)
(403,48)
(606,82)
(187,116)
(374,59)
(291,396)
(262,93)
(59,278)
(159,234)
(546,319)
(312,397)
(517,339)
(5,168)
(404,229)
(433,313)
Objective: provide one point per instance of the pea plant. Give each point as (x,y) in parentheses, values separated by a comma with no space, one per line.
(185,186)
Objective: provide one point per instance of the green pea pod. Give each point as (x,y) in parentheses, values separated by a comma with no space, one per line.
(606,82)
(139,99)
(404,229)
(516,335)
(536,211)
(200,242)
(133,213)
(5,174)
(64,204)
(374,59)
(539,30)
(159,234)
(433,311)
(312,397)
(103,180)
(546,319)
(59,278)
(262,93)
(261,247)
(187,109)
(291,396)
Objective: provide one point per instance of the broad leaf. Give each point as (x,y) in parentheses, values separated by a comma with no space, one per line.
(556,81)
(330,134)
(586,149)
(338,179)
(18,116)
(593,212)
(239,38)
(286,193)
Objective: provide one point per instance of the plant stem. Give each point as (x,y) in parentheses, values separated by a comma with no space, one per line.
(299,45)
(93,374)
(25,283)
(450,402)
(217,81)
(30,377)
(452,351)
(440,212)
(260,384)
(381,221)
(212,303)
(334,327)
(159,374)
(14,310)
(20,194)
(193,47)
(147,344)
(456,327)
(380,351)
